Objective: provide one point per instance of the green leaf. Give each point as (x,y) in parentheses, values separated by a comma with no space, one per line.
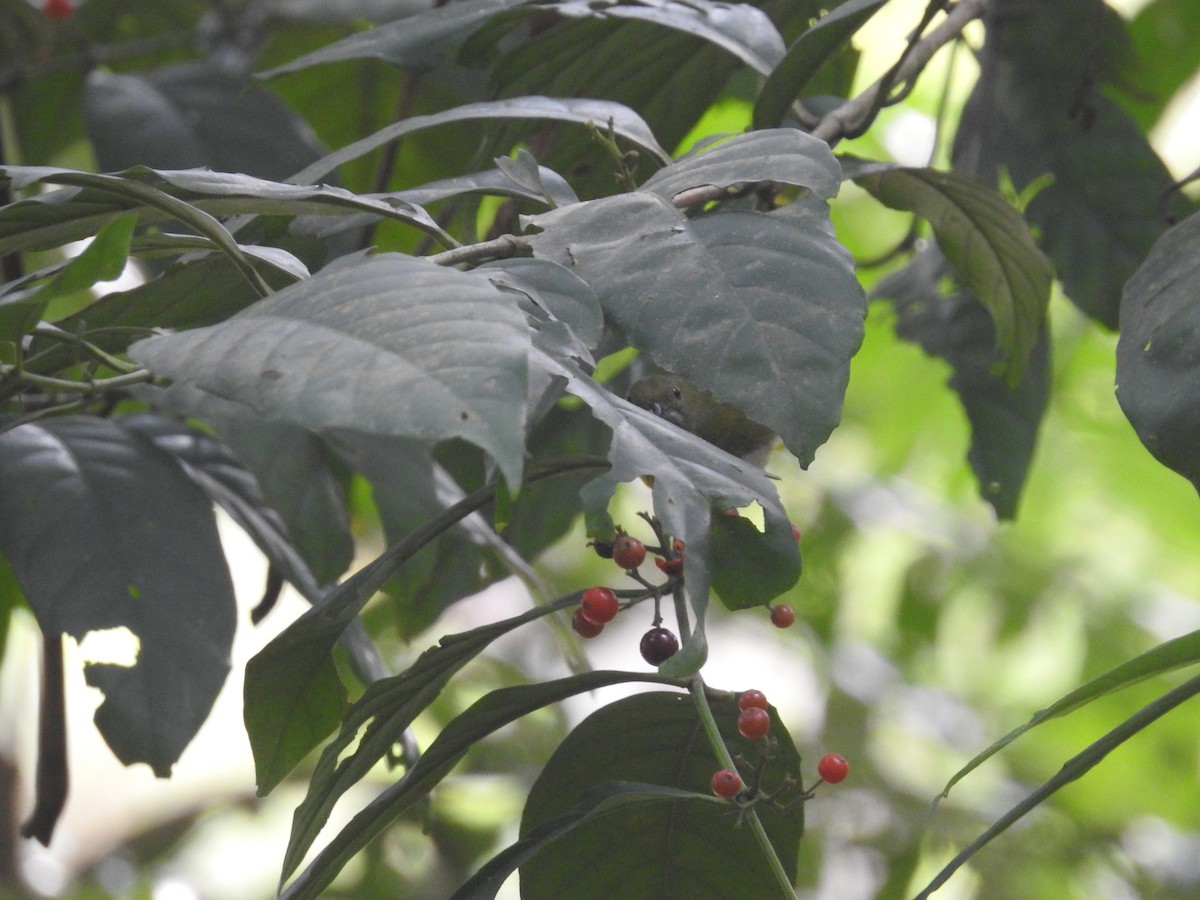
(419,41)
(762,309)
(182,116)
(103,259)
(986,240)
(805,57)
(691,479)
(1166,657)
(105,531)
(610,797)
(657,738)
(752,567)
(385,711)
(779,155)
(374,344)
(1035,111)
(485,716)
(1073,769)
(626,123)
(1157,361)
(1164,55)
(1004,420)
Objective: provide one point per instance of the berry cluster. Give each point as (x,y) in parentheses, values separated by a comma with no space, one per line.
(754,723)
(600,605)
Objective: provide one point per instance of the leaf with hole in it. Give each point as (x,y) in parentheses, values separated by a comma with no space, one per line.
(986,240)
(385,344)
(482,718)
(657,738)
(104,531)
(1158,352)
(805,57)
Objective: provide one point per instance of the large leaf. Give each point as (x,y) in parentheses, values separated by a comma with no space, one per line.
(657,738)
(762,309)
(1004,418)
(1034,111)
(805,57)
(625,122)
(988,243)
(485,716)
(691,479)
(1158,353)
(190,114)
(384,344)
(377,721)
(105,531)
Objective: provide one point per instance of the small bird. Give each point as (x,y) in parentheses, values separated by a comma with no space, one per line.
(684,404)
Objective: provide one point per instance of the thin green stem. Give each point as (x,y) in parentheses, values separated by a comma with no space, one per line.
(63,385)
(696,688)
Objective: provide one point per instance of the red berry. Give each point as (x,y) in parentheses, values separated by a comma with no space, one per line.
(726,783)
(583,626)
(752,698)
(754,723)
(57,9)
(599,605)
(674,565)
(658,645)
(628,552)
(782,616)
(833,768)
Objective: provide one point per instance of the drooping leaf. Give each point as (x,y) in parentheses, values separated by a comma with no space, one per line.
(1166,657)
(1036,110)
(986,240)
(625,121)
(191,114)
(691,479)
(762,309)
(486,715)
(385,711)
(386,344)
(1004,419)
(1158,352)
(144,555)
(805,57)
(657,738)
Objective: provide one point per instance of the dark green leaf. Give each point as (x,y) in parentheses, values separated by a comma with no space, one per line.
(193,114)
(752,567)
(1004,419)
(485,716)
(805,57)
(386,710)
(1158,353)
(657,738)
(762,309)
(1165,56)
(626,123)
(104,531)
(986,240)
(378,344)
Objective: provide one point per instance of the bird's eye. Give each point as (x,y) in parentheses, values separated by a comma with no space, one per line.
(677,392)
(656,408)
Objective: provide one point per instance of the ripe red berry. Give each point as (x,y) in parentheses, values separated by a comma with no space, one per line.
(628,552)
(726,783)
(658,645)
(584,627)
(782,616)
(833,768)
(754,723)
(752,698)
(57,9)
(599,605)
